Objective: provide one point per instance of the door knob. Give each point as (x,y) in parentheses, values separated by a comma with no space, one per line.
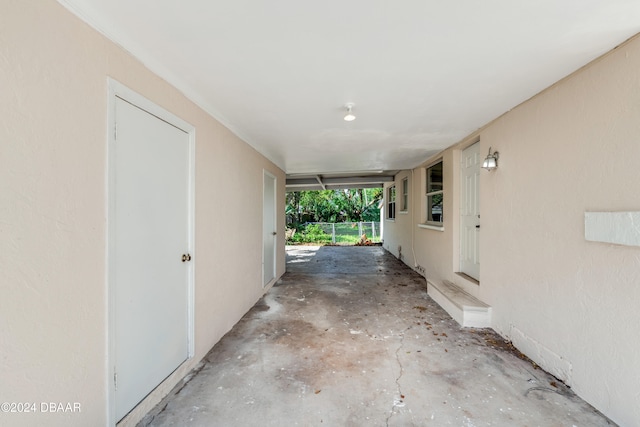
(186,257)
(478,226)
(274,233)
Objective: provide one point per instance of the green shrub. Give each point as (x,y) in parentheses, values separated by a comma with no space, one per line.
(311,233)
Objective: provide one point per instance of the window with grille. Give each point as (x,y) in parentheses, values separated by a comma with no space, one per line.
(391,202)
(434,195)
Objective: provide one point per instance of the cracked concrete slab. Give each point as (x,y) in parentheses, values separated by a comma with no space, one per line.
(349,337)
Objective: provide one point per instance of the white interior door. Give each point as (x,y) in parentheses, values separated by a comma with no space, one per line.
(149,233)
(470,212)
(269,229)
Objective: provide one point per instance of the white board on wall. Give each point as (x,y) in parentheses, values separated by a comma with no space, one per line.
(620,228)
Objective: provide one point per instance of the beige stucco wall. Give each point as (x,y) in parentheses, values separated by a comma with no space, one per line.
(569,304)
(397,231)
(53,194)
(427,250)
(576,298)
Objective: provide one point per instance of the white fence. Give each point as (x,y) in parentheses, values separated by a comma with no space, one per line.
(351,232)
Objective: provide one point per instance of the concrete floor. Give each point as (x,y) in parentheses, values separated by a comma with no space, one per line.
(349,337)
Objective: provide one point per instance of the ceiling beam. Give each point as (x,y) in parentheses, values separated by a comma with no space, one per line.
(334,183)
(317,187)
(340,180)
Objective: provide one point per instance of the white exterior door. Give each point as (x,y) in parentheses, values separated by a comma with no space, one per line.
(269,229)
(149,233)
(470,212)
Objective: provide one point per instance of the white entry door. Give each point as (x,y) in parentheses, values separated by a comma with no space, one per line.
(470,212)
(269,229)
(148,252)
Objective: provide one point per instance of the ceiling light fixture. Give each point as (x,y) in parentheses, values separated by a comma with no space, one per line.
(349,117)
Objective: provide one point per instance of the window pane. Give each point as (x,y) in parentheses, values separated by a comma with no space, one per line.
(434,207)
(391,204)
(405,194)
(434,178)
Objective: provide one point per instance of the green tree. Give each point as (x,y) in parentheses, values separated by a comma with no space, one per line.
(333,205)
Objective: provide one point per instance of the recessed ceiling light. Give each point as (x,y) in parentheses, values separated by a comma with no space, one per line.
(350,116)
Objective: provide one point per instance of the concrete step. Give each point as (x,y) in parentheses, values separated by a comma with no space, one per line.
(466,309)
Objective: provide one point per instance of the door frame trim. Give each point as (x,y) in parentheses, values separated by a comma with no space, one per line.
(461,194)
(118,90)
(266,173)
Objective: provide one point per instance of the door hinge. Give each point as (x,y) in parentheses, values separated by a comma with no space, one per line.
(115,381)
(115,131)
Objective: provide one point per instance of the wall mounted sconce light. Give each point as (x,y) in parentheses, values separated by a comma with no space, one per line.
(350,116)
(491,161)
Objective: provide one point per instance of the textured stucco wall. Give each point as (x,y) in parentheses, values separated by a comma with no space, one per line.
(426,250)
(398,232)
(53,169)
(572,149)
(433,247)
(569,304)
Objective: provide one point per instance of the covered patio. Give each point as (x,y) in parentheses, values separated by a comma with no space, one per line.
(349,337)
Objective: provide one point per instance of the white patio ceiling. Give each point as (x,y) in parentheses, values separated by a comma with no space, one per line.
(422,73)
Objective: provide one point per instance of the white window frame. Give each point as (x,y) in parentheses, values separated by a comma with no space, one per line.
(391,202)
(405,195)
(429,195)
